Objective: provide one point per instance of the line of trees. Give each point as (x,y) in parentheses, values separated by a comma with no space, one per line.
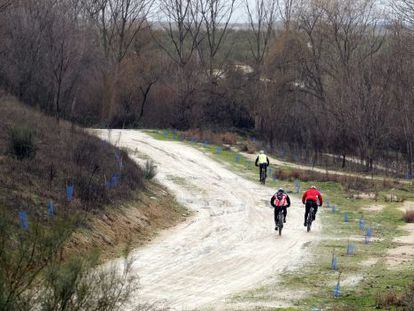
(319,76)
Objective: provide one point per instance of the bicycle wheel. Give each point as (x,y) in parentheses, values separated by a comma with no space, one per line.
(262,177)
(280,222)
(309,220)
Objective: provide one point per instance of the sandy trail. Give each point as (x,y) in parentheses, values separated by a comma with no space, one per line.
(228,246)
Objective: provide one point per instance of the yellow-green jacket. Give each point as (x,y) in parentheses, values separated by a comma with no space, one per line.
(262,159)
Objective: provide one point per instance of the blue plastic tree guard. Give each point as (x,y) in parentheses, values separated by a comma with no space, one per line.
(238,158)
(24,224)
(50,209)
(350,249)
(337,290)
(297,186)
(362,224)
(334,263)
(69,192)
(113,182)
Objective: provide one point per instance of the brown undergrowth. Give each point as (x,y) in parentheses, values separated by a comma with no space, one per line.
(110,211)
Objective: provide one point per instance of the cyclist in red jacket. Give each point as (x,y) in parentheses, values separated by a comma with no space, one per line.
(311,197)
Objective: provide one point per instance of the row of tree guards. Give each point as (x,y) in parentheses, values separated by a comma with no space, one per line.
(350,248)
(364,230)
(281,152)
(111,183)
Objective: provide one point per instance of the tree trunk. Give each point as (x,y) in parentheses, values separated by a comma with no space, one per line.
(57,102)
(145,94)
(410,159)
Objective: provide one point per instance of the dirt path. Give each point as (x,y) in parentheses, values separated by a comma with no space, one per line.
(404,252)
(228,246)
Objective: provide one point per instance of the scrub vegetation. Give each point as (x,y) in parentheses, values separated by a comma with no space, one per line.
(53,241)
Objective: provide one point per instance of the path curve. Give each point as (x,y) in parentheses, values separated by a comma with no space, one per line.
(227,247)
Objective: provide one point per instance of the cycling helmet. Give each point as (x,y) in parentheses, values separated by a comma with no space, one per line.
(313,187)
(281,190)
(261,152)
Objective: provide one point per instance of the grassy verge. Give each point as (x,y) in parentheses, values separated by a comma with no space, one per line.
(285,152)
(364,275)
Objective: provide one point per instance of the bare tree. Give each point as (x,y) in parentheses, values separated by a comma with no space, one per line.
(118,22)
(261,22)
(404,10)
(312,72)
(402,44)
(24,45)
(65,47)
(216,15)
(352,39)
(339,35)
(286,10)
(141,72)
(182,29)
(4,4)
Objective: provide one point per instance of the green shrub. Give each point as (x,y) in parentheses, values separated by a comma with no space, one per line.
(22,143)
(150,170)
(33,275)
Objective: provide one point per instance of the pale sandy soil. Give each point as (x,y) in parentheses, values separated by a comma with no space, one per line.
(228,246)
(404,252)
(374,208)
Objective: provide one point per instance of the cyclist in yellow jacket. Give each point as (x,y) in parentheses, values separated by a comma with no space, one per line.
(262,161)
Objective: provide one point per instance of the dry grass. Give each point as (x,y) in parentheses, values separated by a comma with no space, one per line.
(248,147)
(392,300)
(226,138)
(220,138)
(65,155)
(388,299)
(349,182)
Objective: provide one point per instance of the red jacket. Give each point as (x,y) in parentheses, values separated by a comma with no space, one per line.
(312,195)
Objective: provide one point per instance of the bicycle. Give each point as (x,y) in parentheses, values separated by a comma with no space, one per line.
(280,218)
(309,220)
(263,175)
